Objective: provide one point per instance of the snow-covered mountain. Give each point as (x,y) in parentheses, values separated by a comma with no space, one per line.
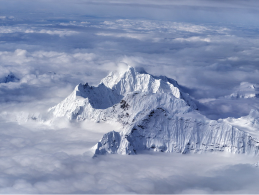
(249,123)
(155,115)
(244,91)
(88,102)
(176,128)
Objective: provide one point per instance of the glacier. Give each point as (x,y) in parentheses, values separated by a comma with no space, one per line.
(156,114)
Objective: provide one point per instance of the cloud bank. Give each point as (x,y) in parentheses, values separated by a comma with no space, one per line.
(37,159)
(209,47)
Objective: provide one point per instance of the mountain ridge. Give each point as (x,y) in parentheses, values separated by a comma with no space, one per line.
(155,115)
(112,89)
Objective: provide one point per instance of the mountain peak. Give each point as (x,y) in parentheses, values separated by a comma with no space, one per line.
(111,90)
(244,91)
(254,113)
(244,86)
(154,113)
(115,76)
(129,79)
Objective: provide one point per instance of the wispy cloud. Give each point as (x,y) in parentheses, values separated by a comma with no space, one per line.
(61,33)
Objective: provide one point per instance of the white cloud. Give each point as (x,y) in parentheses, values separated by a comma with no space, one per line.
(57,46)
(6,18)
(157,26)
(124,35)
(52,160)
(194,39)
(24,29)
(60,33)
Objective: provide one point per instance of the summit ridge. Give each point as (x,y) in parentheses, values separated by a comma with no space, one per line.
(112,89)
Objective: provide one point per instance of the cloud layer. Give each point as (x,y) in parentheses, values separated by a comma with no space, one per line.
(209,47)
(38,159)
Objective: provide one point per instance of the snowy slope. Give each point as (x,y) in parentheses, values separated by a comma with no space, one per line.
(86,101)
(134,81)
(249,123)
(181,131)
(155,115)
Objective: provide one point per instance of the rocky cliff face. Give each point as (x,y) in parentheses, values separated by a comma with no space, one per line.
(155,114)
